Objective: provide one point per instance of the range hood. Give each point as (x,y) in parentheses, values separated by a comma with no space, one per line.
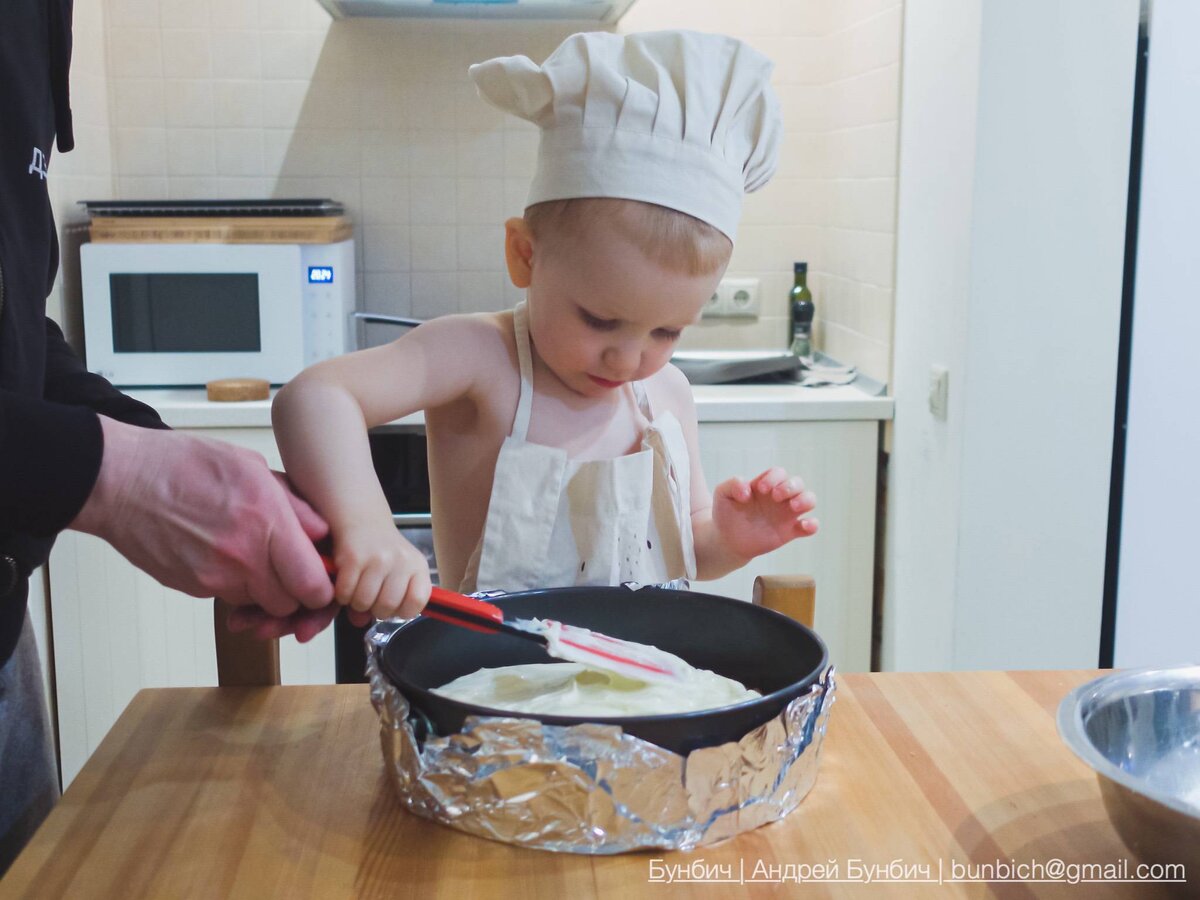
(598,11)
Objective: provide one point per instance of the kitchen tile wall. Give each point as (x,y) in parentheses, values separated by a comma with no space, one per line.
(241,98)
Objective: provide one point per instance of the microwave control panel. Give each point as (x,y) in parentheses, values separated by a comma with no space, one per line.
(328,290)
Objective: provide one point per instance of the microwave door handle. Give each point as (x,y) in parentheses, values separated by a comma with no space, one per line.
(412,520)
(370,318)
(381,319)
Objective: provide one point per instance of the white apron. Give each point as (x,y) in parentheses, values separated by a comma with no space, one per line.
(557,522)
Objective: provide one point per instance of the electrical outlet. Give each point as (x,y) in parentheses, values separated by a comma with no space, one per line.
(712,307)
(735,298)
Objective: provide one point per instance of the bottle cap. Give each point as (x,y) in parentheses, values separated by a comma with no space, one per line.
(801,268)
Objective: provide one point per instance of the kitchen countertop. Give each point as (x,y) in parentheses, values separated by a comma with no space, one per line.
(929,783)
(777,402)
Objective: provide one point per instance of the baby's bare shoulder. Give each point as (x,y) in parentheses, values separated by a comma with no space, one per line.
(669,390)
(475,350)
(471,339)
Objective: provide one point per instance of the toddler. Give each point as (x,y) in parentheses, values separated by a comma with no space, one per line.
(562,445)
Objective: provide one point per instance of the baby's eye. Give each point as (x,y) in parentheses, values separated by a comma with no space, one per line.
(667,334)
(597,323)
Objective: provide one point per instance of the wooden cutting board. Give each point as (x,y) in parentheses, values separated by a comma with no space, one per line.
(221,230)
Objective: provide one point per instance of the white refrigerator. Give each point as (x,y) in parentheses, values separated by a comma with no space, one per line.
(1152,597)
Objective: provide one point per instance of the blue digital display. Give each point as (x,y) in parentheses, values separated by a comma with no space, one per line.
(320,274)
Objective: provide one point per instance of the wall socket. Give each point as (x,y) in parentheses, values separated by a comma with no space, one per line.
(735,298)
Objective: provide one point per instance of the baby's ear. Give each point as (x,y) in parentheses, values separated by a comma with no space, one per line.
(518,251)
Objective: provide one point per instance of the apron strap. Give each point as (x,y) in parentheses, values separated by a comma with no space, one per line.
(643,400)
(524,359)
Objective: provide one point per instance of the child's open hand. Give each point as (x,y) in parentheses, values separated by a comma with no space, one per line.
(756,517)
(379,573)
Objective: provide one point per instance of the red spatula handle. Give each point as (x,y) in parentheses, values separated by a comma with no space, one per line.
(459,609)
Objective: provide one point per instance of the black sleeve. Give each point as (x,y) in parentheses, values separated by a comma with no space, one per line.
(49,458)
(50,449)
(67,381)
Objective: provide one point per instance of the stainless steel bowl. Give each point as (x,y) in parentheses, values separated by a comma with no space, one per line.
(1140,731)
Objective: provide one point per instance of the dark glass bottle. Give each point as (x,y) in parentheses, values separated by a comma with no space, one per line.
(801,309)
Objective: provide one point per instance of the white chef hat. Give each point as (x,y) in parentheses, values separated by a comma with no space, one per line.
(678,118)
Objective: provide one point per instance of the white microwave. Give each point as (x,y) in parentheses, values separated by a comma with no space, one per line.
(181,315)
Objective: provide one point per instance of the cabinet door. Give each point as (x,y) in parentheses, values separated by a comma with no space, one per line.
(837,461)
(116,630)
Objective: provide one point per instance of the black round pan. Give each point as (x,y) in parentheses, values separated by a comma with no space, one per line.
(762,649)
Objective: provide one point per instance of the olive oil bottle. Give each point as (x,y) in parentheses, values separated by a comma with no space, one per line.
(801,309)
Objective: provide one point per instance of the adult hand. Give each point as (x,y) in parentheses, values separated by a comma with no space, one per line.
(305,624)
(206,518)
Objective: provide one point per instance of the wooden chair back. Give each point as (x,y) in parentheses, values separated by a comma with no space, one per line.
(242,659)
(792,595)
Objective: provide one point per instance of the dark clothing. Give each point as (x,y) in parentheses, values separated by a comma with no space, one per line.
(50,437)
(28,769)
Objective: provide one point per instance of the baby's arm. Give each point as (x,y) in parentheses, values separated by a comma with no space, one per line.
(741,519)
(321,419)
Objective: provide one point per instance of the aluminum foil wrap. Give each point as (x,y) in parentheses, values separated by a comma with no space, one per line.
(592,788)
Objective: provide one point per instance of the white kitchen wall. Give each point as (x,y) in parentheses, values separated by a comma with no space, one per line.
(244,98)
(861,116)
(248,98)
(87,171)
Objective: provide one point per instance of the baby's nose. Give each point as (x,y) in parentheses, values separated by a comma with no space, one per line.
(622,360)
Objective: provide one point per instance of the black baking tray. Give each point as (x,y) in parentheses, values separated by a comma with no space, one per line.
(304,206)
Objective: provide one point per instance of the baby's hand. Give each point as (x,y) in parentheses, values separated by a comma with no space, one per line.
(379,573)
(757,517)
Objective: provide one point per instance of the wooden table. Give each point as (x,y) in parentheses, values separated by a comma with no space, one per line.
(281,792)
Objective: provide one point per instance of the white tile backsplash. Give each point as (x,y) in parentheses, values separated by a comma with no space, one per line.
(289,55)
(187,53)
(435,249)
(133,14)
(480,247)
(236,54)
(387,203)
(191,151)
(391,294)
(136,53)
(140,103)
(238,104)
(434,200)
(387,248)
(141,152)
(189,102)
(434,294)
(480,201)
(240,151)
(480,153)
(481,291)
(282,103)
(235,16)
(252,97)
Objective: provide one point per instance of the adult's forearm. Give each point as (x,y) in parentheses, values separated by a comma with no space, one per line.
(206,518)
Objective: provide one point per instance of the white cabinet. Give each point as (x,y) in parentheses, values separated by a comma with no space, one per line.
(837,460)
(116,630)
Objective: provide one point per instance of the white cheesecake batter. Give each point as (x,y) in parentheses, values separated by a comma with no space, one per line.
(570,689)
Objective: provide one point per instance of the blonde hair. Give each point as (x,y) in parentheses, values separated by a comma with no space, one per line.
(672,239)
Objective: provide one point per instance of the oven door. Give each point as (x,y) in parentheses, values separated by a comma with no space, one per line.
(162,315)
(398,454)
